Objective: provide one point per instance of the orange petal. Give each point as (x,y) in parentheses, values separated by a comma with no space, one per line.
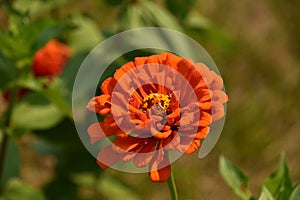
(172,141)
(187,145)
(173,117)
(153,64)
(145,155)
(186,119)
(157,59)
(127,144)
(160,135)
(138,61)
(174,114)
(205,119)
(202,68)
(219,96)
(123,70)
(104,100)
(107,157)
(142,159)
(104,111)
(172,60)
(217,111)
(138,112)
(108,85)
(121,105)
(100,104)
(203,94)
(193,147)
(202,133)
(94,105)
(205,105)
(128,156)
(135,102)
(159,168)
(190,72)
(110,127)
(174,102)
(217,82)
(142,91)
(137,99)
(96,133)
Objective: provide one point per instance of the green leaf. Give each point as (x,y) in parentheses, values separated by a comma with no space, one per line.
(113,189)
(24,37)
(31,83)
(146,13)
(296,193)
(265,194)
(7,71)
(196,20)
(114,2)
(109,187)
(86,35)
(84,179)
(203,28)
(70,71)
(279,182)
(37,7)
(131,16)
(11,163)
(55,91)
(135,15)
(47,34)
(235,178)
(180,8)
(34,112)
(16,190)
(160,16)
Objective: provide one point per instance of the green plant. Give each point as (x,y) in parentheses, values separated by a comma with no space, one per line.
(278,186)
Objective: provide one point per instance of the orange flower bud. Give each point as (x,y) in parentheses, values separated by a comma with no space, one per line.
(51,59)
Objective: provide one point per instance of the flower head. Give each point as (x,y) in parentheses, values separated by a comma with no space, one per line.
(154,105)
(51,59)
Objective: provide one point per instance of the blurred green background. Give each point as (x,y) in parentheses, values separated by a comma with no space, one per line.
(255,45)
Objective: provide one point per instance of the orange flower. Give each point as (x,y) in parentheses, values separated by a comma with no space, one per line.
(154,118)
(51,59)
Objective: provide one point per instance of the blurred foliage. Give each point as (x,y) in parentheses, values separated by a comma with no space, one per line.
(11,163)
(254,44)
(278,186)
(17,189)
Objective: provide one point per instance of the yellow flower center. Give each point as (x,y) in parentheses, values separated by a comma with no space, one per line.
(160,100)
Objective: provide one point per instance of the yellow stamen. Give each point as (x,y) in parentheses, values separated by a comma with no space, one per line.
(162,100)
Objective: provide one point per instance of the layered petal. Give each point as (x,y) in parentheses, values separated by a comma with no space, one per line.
(151,112)
(123,70)
(108,85)
(127,144)
(100,104)
(159,167)
(187,145)
(96,133)
(107,157)
(145,155)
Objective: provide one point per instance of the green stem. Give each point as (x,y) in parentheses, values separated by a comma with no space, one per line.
(5,124)
(172,187)
(3,146)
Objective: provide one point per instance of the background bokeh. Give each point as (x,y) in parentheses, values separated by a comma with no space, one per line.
(255,45)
